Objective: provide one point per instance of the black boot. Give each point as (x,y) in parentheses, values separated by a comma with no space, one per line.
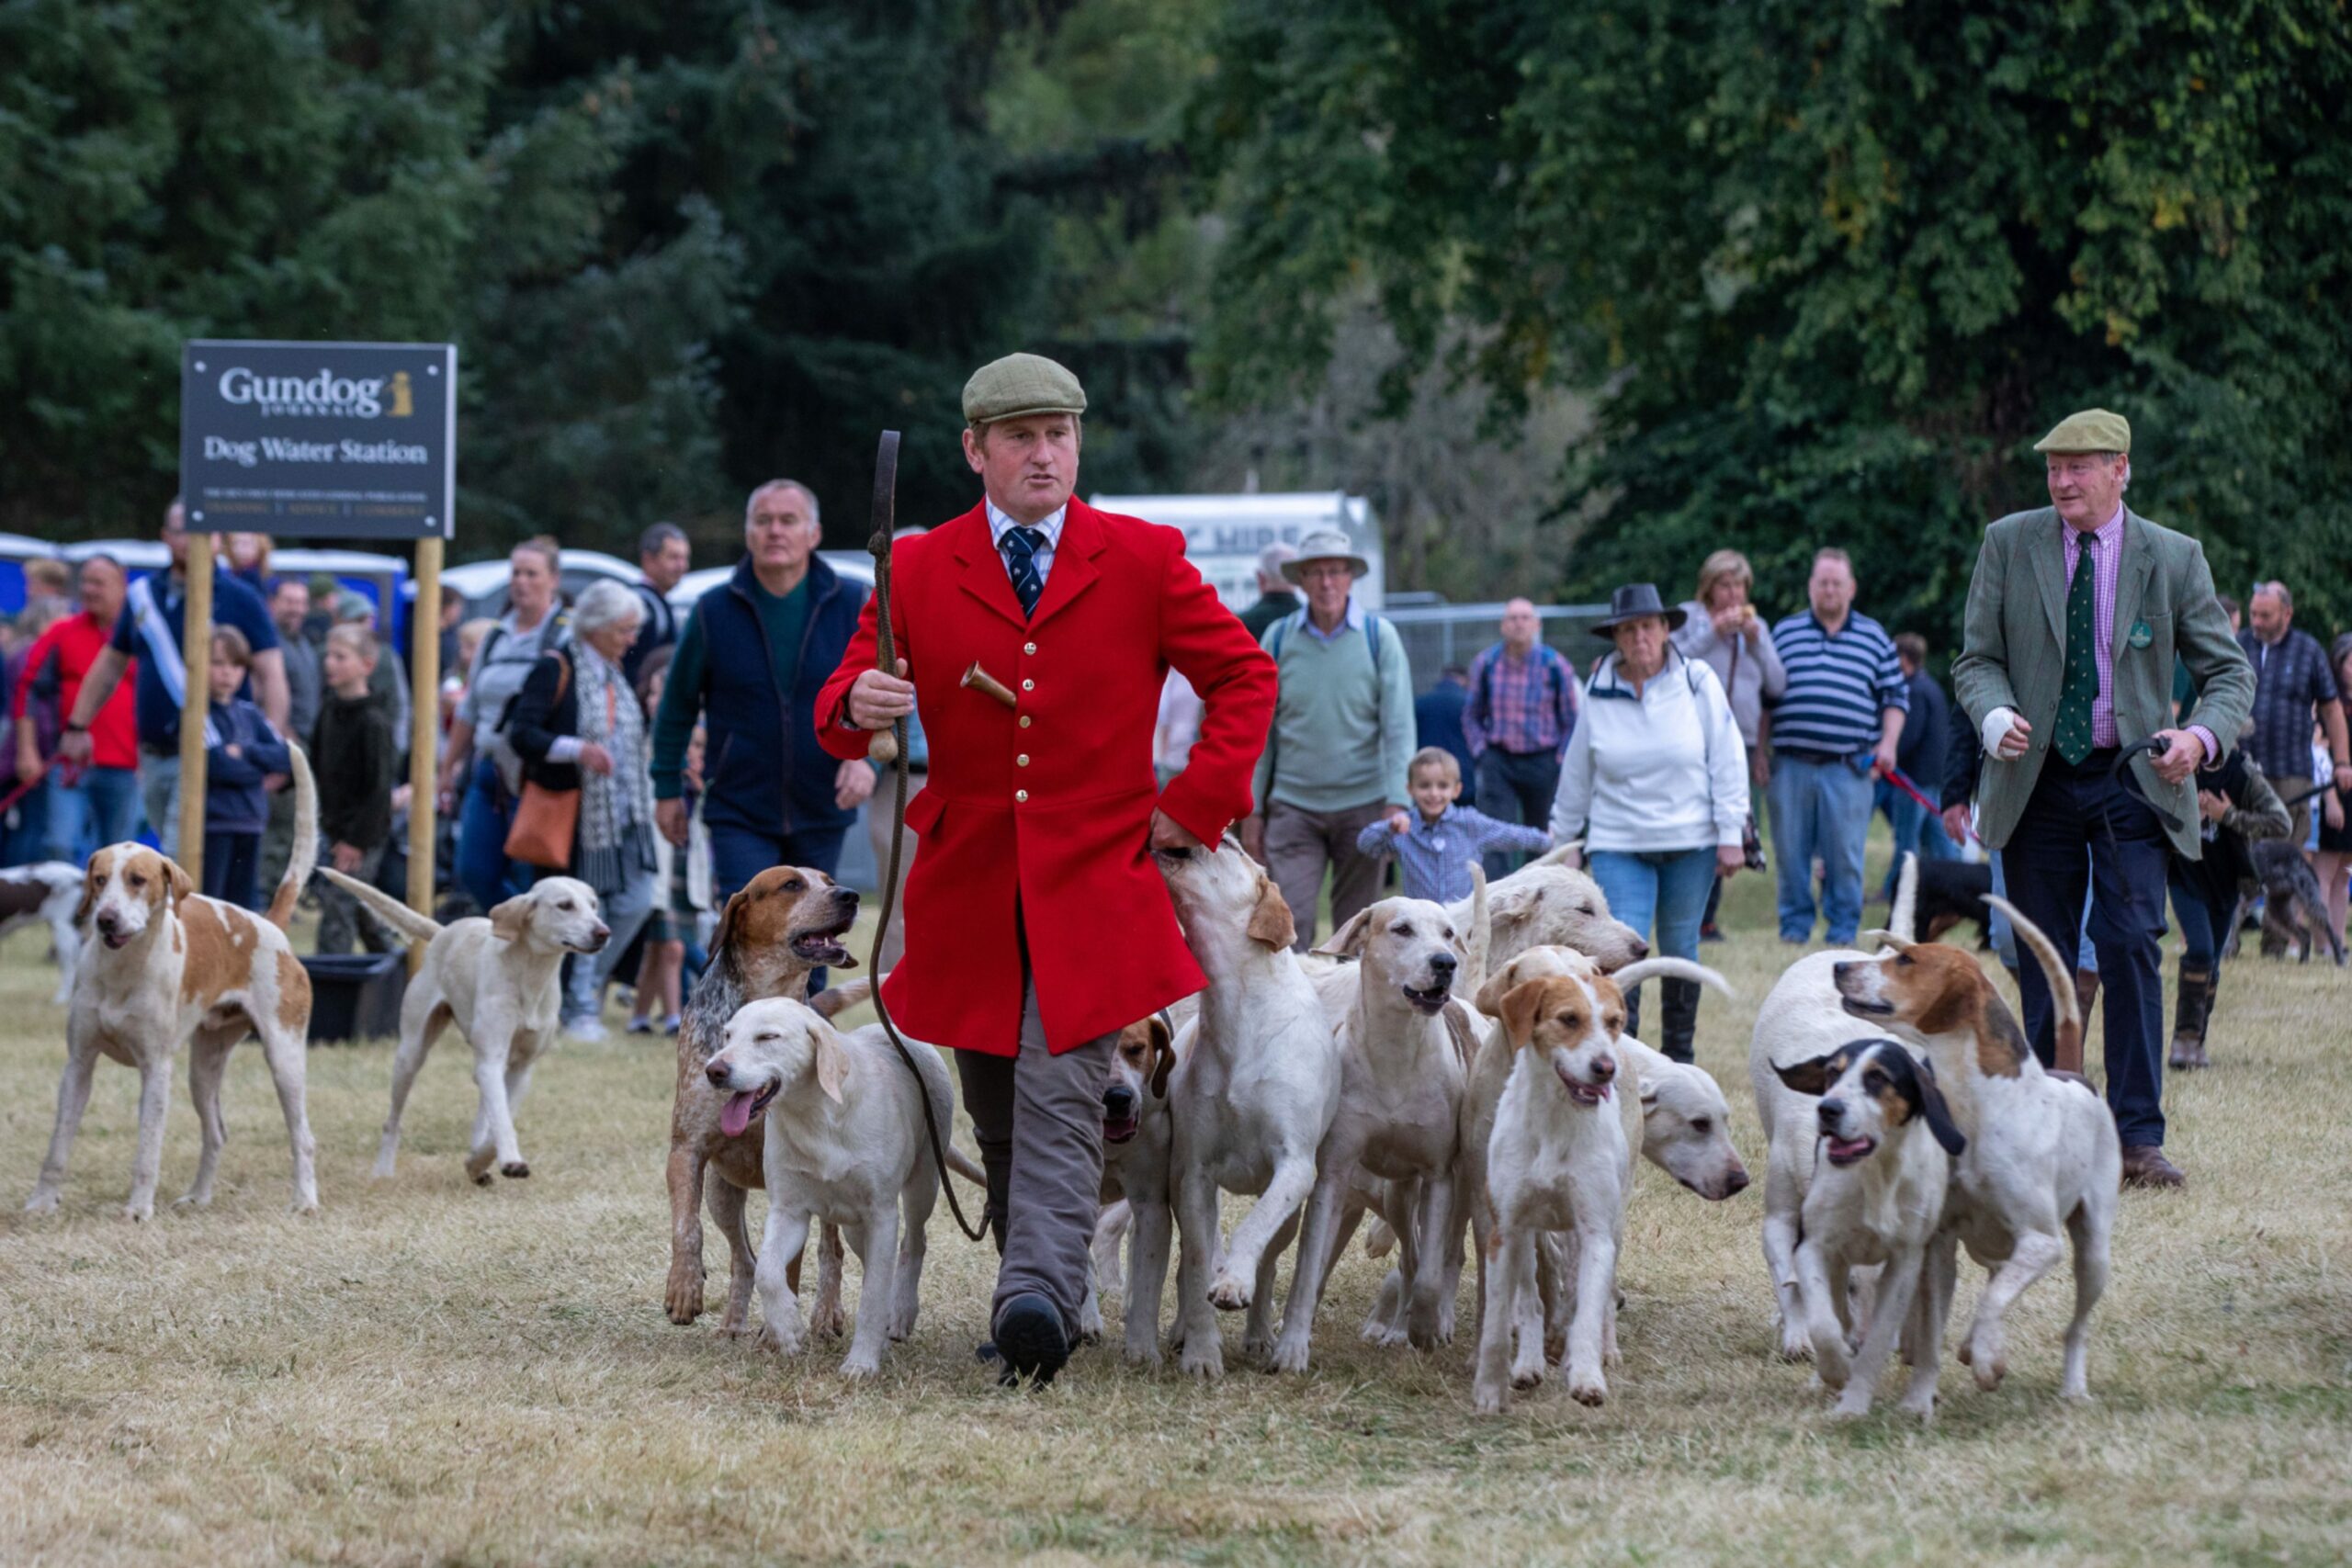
(2194,999)
(1678,1002)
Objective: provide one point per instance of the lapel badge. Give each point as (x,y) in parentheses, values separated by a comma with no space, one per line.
(2141,635)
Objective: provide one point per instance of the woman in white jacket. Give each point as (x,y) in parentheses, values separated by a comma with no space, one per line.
(1656,785)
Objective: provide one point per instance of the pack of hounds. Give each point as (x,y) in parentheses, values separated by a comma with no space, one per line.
(1440,1070)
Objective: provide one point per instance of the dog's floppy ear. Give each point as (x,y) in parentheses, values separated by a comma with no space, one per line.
(510,920)
(833,1062)
(93,877)
(1933,1107)
(1520,1005)
(1815,1077)
(1269,920)
(1163,1053)
(182,884)
(725,939)
(1348,939)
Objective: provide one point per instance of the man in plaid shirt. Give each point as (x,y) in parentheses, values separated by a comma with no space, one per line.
(1522,708)
(2290,680)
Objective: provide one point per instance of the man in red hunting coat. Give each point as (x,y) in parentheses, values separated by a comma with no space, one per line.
(1036,924)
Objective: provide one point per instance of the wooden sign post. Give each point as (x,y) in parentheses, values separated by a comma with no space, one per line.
(196,654)
(424,753)
(340,440)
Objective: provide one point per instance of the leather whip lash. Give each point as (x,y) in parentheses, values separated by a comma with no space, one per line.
(889,746)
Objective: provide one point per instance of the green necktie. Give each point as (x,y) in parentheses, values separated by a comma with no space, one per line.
(2080,686)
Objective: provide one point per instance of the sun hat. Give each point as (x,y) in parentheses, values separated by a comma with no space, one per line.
(1324,544)
(1634,600)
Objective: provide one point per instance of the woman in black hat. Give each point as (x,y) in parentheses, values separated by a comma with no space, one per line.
(1655,786)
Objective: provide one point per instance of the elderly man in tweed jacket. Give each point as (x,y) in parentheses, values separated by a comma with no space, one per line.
(2074,615)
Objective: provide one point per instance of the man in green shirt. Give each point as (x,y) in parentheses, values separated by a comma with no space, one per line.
(1342,735)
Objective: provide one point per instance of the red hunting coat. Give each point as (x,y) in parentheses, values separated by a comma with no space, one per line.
(1042,814)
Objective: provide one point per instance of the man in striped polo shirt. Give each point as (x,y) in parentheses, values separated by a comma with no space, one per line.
(1834,730)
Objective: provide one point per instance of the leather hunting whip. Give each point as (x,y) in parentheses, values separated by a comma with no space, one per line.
(889,748)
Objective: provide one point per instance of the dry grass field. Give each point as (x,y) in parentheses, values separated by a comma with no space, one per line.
(431,1373)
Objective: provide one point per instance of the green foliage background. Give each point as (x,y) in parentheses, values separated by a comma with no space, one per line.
(1576,293)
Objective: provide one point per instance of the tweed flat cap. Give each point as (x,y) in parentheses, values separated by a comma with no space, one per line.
(2093,430)
(1021,384)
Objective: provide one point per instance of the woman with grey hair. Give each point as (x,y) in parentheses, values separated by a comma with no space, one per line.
(577,724)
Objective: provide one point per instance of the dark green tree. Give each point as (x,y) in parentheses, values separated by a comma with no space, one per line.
(1833,269)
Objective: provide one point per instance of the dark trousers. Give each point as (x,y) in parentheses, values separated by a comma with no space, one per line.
(230,861)
(1516,787)
(739,854)
(2043,868)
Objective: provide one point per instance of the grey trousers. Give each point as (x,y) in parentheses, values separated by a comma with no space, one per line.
(1038,1120)
(1300,844)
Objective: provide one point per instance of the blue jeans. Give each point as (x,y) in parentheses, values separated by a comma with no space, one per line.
(159,796)
(2204,927)
(484,819)
(102,809)
(1666,889)
(584,973)
(230,862)
(1917,832)
(1516,787)
(1819,808)
(739,854)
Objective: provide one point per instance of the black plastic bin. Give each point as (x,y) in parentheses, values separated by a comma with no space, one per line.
(356,996)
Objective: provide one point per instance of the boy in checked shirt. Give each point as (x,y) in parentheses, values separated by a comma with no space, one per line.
(1444,838)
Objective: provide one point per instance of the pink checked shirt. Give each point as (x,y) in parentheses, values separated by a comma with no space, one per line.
(2109,557)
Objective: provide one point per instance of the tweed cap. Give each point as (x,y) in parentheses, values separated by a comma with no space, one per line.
(1021,384)
(2093,430)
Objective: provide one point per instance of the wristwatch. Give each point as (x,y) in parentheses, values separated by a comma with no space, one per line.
(77,729)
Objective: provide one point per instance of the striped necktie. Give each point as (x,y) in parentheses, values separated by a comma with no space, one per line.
(1021,547)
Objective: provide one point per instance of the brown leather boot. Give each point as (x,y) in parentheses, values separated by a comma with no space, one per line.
(2195,994)
(2144,1165)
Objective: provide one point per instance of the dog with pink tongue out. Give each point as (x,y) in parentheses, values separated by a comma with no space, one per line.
(845,1145)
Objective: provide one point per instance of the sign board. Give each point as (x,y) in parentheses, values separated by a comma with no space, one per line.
(1223,533)
(328,440)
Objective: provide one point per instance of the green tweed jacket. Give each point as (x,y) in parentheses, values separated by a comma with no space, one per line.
(2015,655)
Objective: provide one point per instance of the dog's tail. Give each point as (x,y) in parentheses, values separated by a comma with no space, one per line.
(306,840)
(407,921)
(1904,918)
(836,999)
(962,1165)
(2060,978)
(1633,974)
(1473,976)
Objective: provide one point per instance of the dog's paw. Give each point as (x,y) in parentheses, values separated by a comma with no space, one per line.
(139,1213)
(862,1369)
(1923,1407)
(1589,1388)
(304,1204)
(1525,1378)
(829,1319)
(41,1203)
(516,1168)
(1231,1293)
(1848,1409)
(1146,1356)
(736,1329)
(190,1200)
(1488,1399)
(1794,1346)
(1202,1360)
(1290,1355)
(683,1298)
